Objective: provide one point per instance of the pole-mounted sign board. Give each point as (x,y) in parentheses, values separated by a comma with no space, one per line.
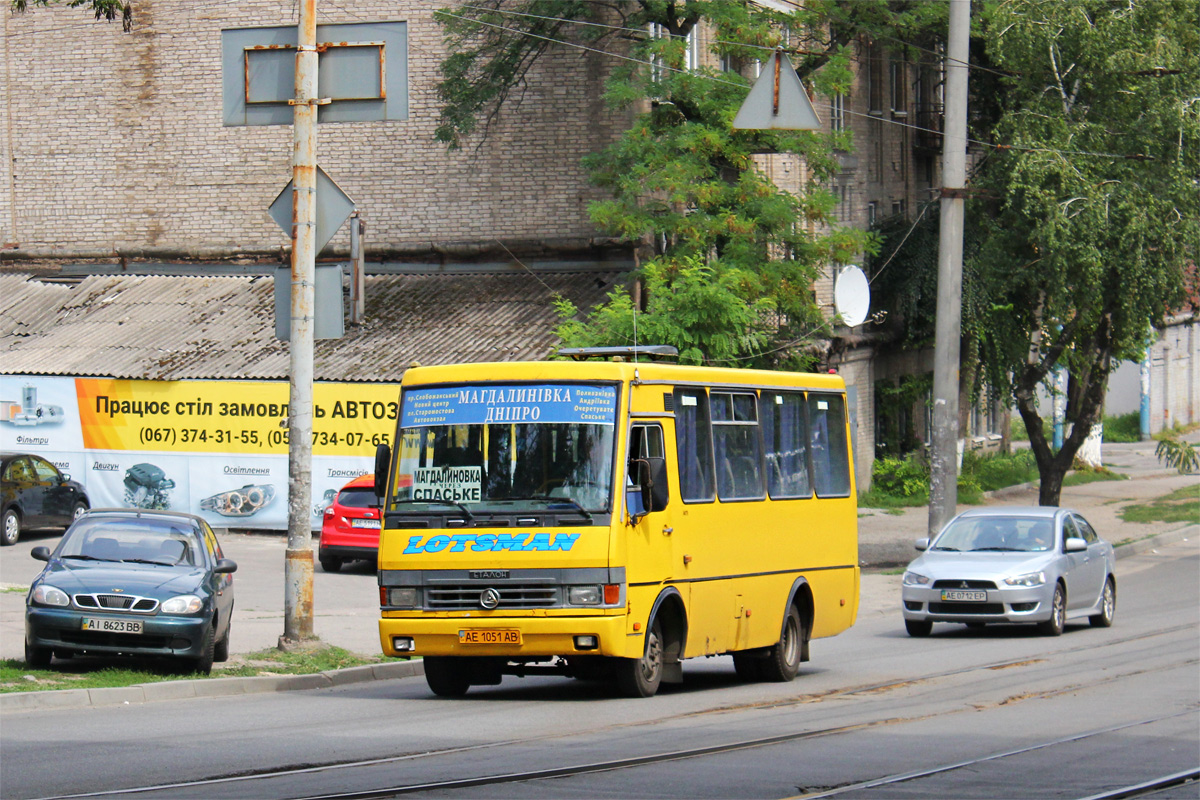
(362,69)
(777,101)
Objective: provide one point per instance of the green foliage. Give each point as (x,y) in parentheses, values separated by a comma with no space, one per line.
(901,477)
(1181,505)
(692,306)
(1082,474)
(1092,211)
(905,481)
(1123,428)
(102,673)
(685,187)
(110,10)
(998,471)
(1178,454)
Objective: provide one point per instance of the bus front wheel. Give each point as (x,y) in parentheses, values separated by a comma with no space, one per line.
(640,677)
(446,676)
(783,661)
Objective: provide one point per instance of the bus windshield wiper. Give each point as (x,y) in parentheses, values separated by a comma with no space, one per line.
(545,498)
(467,515)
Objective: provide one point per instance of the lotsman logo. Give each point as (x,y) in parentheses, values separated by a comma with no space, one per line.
(484,542)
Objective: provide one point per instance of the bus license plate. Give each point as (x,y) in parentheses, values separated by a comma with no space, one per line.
(961,596)
(489,636)
(112,625)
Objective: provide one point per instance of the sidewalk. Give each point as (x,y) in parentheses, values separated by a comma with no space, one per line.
(886,539)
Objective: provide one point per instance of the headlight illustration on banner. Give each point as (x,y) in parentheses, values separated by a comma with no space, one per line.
(147,486)
(239,502)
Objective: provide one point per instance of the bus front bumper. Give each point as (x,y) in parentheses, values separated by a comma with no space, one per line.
(513,637)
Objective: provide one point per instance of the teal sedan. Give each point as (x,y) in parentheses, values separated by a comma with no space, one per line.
(134,583)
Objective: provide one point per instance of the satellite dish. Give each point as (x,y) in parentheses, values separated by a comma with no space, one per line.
(852,296)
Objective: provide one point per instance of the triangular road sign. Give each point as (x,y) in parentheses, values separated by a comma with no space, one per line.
(777,100)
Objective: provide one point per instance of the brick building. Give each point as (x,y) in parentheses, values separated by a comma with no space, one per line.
(118,153)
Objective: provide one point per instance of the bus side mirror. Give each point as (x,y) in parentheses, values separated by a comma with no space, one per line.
(383,460)
(647,489)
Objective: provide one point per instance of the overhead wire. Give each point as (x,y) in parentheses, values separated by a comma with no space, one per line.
(714,79)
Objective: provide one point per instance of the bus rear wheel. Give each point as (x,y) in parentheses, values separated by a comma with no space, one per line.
(640,677)
(446,676)
(783,660)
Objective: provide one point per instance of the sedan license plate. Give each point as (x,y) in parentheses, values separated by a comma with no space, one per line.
(963,596)
(489,636)
(112,625)
(365,523)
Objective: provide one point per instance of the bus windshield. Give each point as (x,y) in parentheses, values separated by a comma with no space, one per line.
(506,448)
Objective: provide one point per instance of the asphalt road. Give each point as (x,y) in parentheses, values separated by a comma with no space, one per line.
(995,713)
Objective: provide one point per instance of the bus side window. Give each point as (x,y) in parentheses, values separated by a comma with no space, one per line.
(785,432)
(736,445)
(827,439)
(693,443)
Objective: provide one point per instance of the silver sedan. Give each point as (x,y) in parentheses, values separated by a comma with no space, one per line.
(1035,564)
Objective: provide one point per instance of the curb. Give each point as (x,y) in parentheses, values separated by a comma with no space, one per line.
(1150,542)
(217,687)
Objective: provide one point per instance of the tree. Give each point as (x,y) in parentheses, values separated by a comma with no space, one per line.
(107,9)
(1094,211)
(727,259)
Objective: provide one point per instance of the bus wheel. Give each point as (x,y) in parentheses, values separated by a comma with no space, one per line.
(639,677)
(446,676)
(748,668)
(783,661)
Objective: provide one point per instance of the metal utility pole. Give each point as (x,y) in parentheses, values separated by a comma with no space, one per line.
(943,466)
(298,568)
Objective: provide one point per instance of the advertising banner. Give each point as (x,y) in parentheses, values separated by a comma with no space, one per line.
(214,448)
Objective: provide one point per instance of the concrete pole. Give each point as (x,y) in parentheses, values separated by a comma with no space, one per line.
(943,465)
(298,567)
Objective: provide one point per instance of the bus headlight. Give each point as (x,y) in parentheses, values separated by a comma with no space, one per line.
(584,595)
(401,597)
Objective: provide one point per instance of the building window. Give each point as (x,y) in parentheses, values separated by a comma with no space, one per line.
(837,113)
(898,209)
(872,212)
(874,79)
(897,78)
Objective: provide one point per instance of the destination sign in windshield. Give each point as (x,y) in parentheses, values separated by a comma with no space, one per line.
(506,403)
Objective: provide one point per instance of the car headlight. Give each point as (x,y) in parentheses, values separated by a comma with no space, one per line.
(47,595)
(915,579)
(584,595)
(182,604)
(1031,579)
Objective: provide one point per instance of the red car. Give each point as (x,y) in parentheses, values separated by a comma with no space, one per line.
(350,529)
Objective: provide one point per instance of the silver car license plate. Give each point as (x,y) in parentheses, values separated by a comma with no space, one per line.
(112,625)
(963,596)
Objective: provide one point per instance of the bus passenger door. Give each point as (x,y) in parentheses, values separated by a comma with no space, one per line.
(650,540)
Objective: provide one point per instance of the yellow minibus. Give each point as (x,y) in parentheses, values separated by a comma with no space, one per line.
(609,519)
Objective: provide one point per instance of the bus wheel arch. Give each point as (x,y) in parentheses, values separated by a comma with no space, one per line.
(668,610)
(802,598)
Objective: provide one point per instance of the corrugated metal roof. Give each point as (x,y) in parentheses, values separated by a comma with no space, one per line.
(166,327)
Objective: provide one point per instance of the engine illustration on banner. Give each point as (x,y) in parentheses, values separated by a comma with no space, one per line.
(29,411)
(240,502)
(147,486)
